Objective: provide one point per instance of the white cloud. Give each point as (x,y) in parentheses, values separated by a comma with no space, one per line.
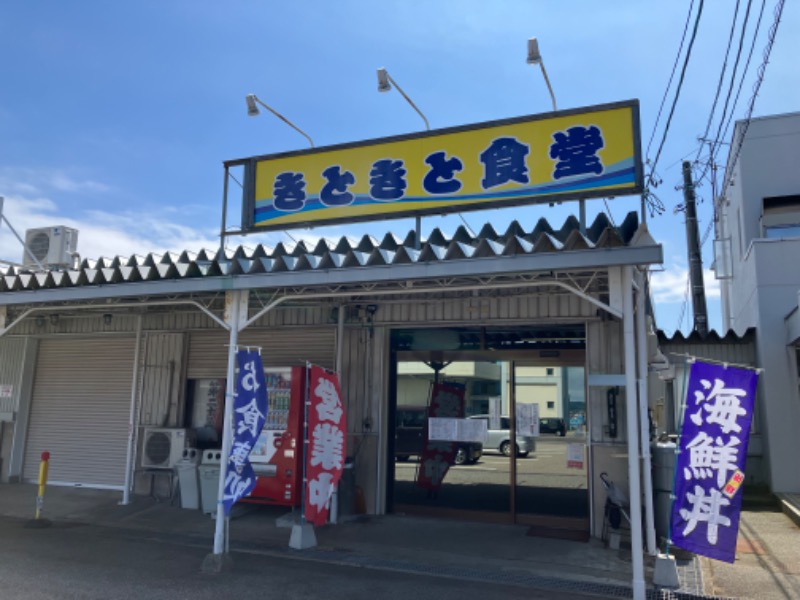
(63,183)
(33,181)
(670,287)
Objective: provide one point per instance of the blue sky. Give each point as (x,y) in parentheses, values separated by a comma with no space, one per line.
(115,117)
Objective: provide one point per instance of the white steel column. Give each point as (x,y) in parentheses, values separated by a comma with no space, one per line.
(634,478)
(233,300)
(641,359)
(126,494)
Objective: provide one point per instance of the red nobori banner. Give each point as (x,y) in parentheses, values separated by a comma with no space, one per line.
(447,401)
(327,431)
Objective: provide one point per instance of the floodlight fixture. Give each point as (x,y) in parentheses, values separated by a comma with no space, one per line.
(383,80)
(252,110)
(385,83)
(535,58)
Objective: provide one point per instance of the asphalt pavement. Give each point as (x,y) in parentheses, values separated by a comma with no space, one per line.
(97,548)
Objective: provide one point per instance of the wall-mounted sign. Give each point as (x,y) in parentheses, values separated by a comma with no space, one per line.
(6,391)
(582,153)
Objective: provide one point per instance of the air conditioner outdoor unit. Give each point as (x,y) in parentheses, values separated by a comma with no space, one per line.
(162,447)
(54,247)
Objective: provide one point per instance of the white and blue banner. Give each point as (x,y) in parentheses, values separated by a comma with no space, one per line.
(249,415)
(711,460)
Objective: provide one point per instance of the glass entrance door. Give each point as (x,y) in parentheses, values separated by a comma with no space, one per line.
(551,483)
(464,476)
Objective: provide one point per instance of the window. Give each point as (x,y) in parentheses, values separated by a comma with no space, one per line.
(782,231)
(550,370)
(780,217)
(551,404)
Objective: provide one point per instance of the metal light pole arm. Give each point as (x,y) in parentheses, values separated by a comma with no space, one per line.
(285,120)
(547,81)
(414,106)
(16,235)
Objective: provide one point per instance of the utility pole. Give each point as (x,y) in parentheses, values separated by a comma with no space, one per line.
(695,257)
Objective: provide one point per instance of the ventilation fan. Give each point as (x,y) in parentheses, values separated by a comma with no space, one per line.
(162,447)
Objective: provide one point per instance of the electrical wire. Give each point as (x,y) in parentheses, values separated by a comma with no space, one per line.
(714,146)
(685,304)
(773,31)
(679,86)
(721,76)
(671,76)
(746,68)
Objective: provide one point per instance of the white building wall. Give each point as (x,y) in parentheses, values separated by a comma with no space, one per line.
(766,277)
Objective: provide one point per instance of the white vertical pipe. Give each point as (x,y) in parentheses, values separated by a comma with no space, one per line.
(339,339)
(219,528)
(588,432)
(647,477)
(333,515)
(634,478)
(126,493)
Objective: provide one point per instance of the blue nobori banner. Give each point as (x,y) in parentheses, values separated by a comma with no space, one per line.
(249,415)
(711,460)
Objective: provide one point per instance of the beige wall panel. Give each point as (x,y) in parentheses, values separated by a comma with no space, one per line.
(162,380)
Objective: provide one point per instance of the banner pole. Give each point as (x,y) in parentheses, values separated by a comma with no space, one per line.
(303,535)
(304,483)
(219,529)
(688,361)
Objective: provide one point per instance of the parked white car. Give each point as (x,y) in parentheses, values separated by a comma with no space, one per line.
(500,439)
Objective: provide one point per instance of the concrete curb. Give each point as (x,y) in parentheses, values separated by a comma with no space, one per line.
(790,505)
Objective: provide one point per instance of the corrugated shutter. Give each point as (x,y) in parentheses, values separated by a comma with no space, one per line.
(12,355)
(281,347)
(80,410)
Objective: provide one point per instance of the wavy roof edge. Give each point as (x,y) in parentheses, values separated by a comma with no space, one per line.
(342,252)
(712,336)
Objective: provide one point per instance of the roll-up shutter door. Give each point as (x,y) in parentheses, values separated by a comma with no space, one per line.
(285,347)
(80,409)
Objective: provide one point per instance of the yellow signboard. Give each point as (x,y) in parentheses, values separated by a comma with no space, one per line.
(583,153)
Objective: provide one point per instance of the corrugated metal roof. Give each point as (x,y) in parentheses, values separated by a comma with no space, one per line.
(713,337)
(327,257)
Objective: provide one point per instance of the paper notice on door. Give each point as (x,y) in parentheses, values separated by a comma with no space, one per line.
(473,430)
(442,429)
(527,419)
(456,430)
(575,454)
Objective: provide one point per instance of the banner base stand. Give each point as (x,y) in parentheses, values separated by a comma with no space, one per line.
(302,537)
(666,572)
(217,563)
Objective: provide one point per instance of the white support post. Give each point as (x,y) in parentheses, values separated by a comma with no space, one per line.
(641,358)
(634,478)
(233,301)
(126,494)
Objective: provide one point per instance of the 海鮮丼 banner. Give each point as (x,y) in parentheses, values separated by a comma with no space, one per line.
(249,415)
(327,433)
(711,460)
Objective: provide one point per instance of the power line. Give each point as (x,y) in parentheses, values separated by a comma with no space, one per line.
(714,147)
(671,76)
(746,68)
(773,31)
(721,76)
(680,85)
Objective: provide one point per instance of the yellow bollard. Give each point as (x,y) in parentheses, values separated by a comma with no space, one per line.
(38,522)
(43,468)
